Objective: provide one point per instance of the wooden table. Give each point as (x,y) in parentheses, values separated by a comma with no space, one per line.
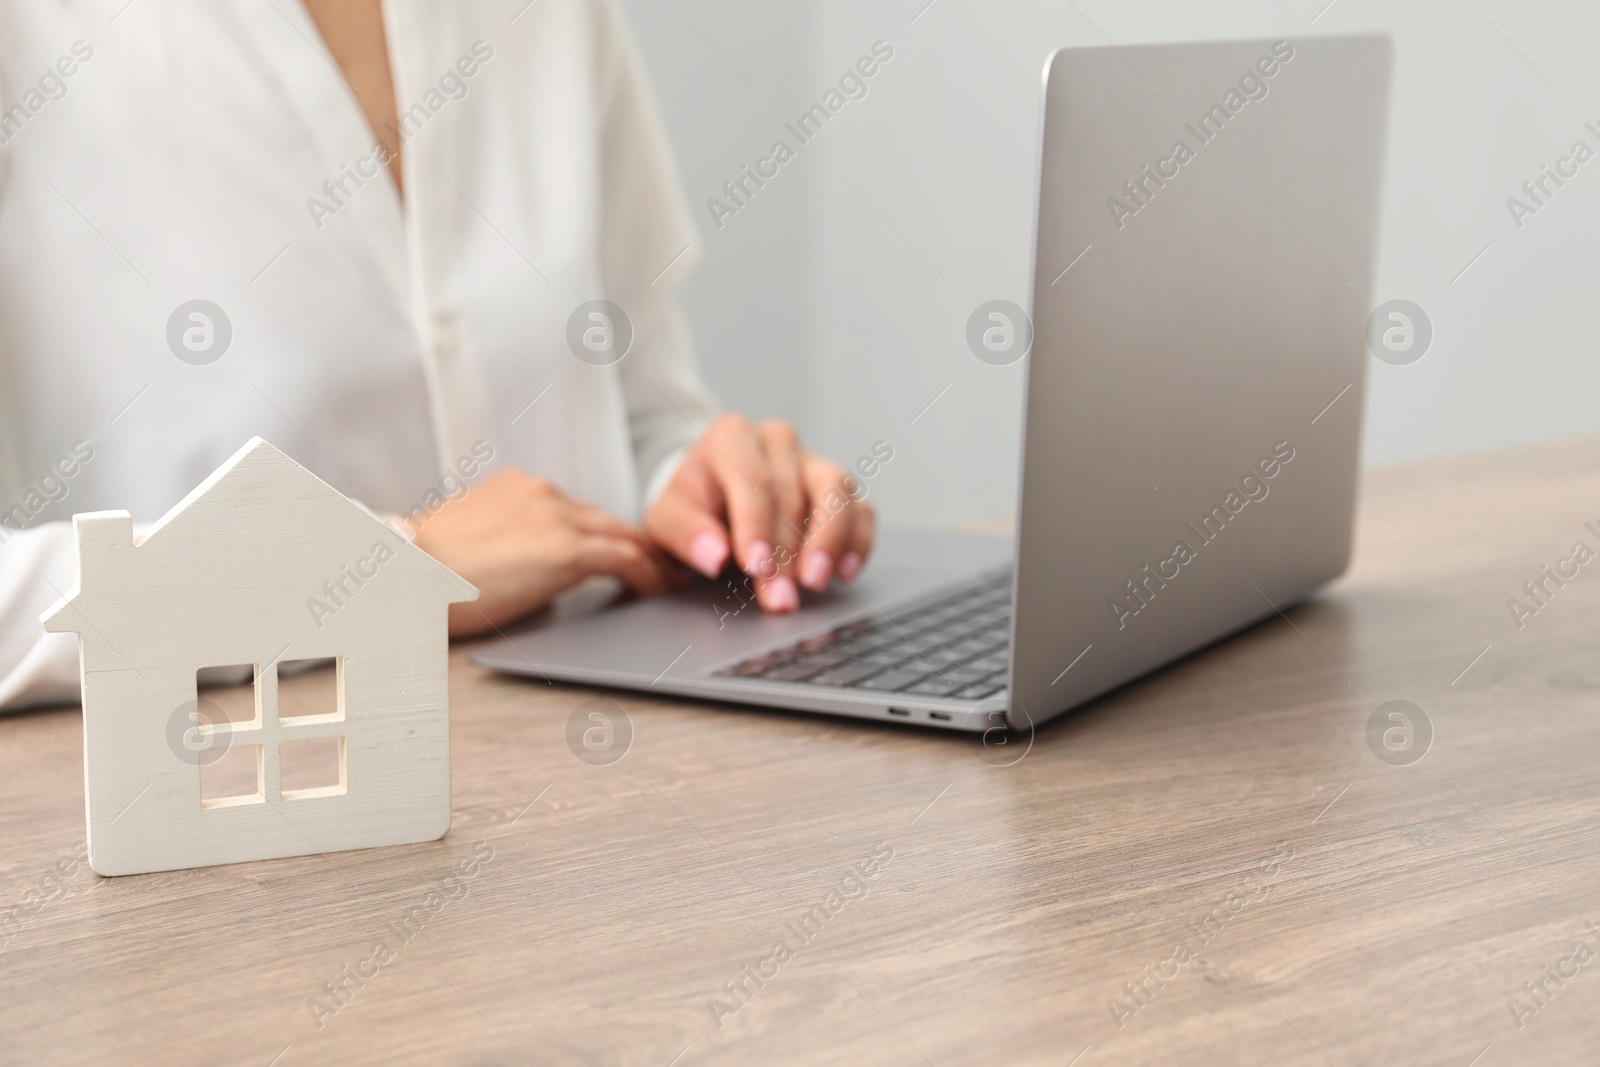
(1210,867)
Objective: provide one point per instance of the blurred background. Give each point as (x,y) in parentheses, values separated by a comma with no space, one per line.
(838,296)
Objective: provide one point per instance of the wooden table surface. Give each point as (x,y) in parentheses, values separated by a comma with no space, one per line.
(1210,867)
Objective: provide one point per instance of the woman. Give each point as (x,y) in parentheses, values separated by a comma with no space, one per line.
(429,249)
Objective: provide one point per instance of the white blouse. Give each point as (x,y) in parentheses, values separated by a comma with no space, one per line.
(158,154)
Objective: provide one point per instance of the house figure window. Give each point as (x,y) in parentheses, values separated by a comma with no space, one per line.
(247,753)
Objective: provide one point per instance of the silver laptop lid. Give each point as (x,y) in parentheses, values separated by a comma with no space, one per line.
(1202,284)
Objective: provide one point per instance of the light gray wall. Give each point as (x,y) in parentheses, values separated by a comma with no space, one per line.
(839,296)
(721,70)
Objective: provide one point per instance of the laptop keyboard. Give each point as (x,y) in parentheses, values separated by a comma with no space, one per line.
(956,646)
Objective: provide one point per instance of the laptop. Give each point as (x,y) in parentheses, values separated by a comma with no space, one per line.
(1203,260)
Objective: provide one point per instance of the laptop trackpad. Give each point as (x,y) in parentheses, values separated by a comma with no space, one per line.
(688,632)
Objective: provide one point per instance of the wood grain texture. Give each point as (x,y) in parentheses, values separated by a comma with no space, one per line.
(1342,910)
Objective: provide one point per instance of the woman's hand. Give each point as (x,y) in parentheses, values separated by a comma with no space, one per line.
(523,542)
(787,515)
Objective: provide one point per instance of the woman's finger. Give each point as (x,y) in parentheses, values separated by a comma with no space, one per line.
(739,465)
(863,527)
(831,514)
(620,558)
(782,449)
(686,519)
(591,519)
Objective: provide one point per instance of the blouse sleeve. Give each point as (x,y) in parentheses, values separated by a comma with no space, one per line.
(38,566)
(647,247)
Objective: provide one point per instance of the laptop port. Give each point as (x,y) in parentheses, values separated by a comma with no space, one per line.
(942,716)
(899,711)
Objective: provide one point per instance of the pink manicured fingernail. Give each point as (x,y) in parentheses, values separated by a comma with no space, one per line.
(815,570)
(850,566)
(781,595)
(758,559)
(708,552)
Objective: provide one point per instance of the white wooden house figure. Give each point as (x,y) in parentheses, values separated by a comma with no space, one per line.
(263,564)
